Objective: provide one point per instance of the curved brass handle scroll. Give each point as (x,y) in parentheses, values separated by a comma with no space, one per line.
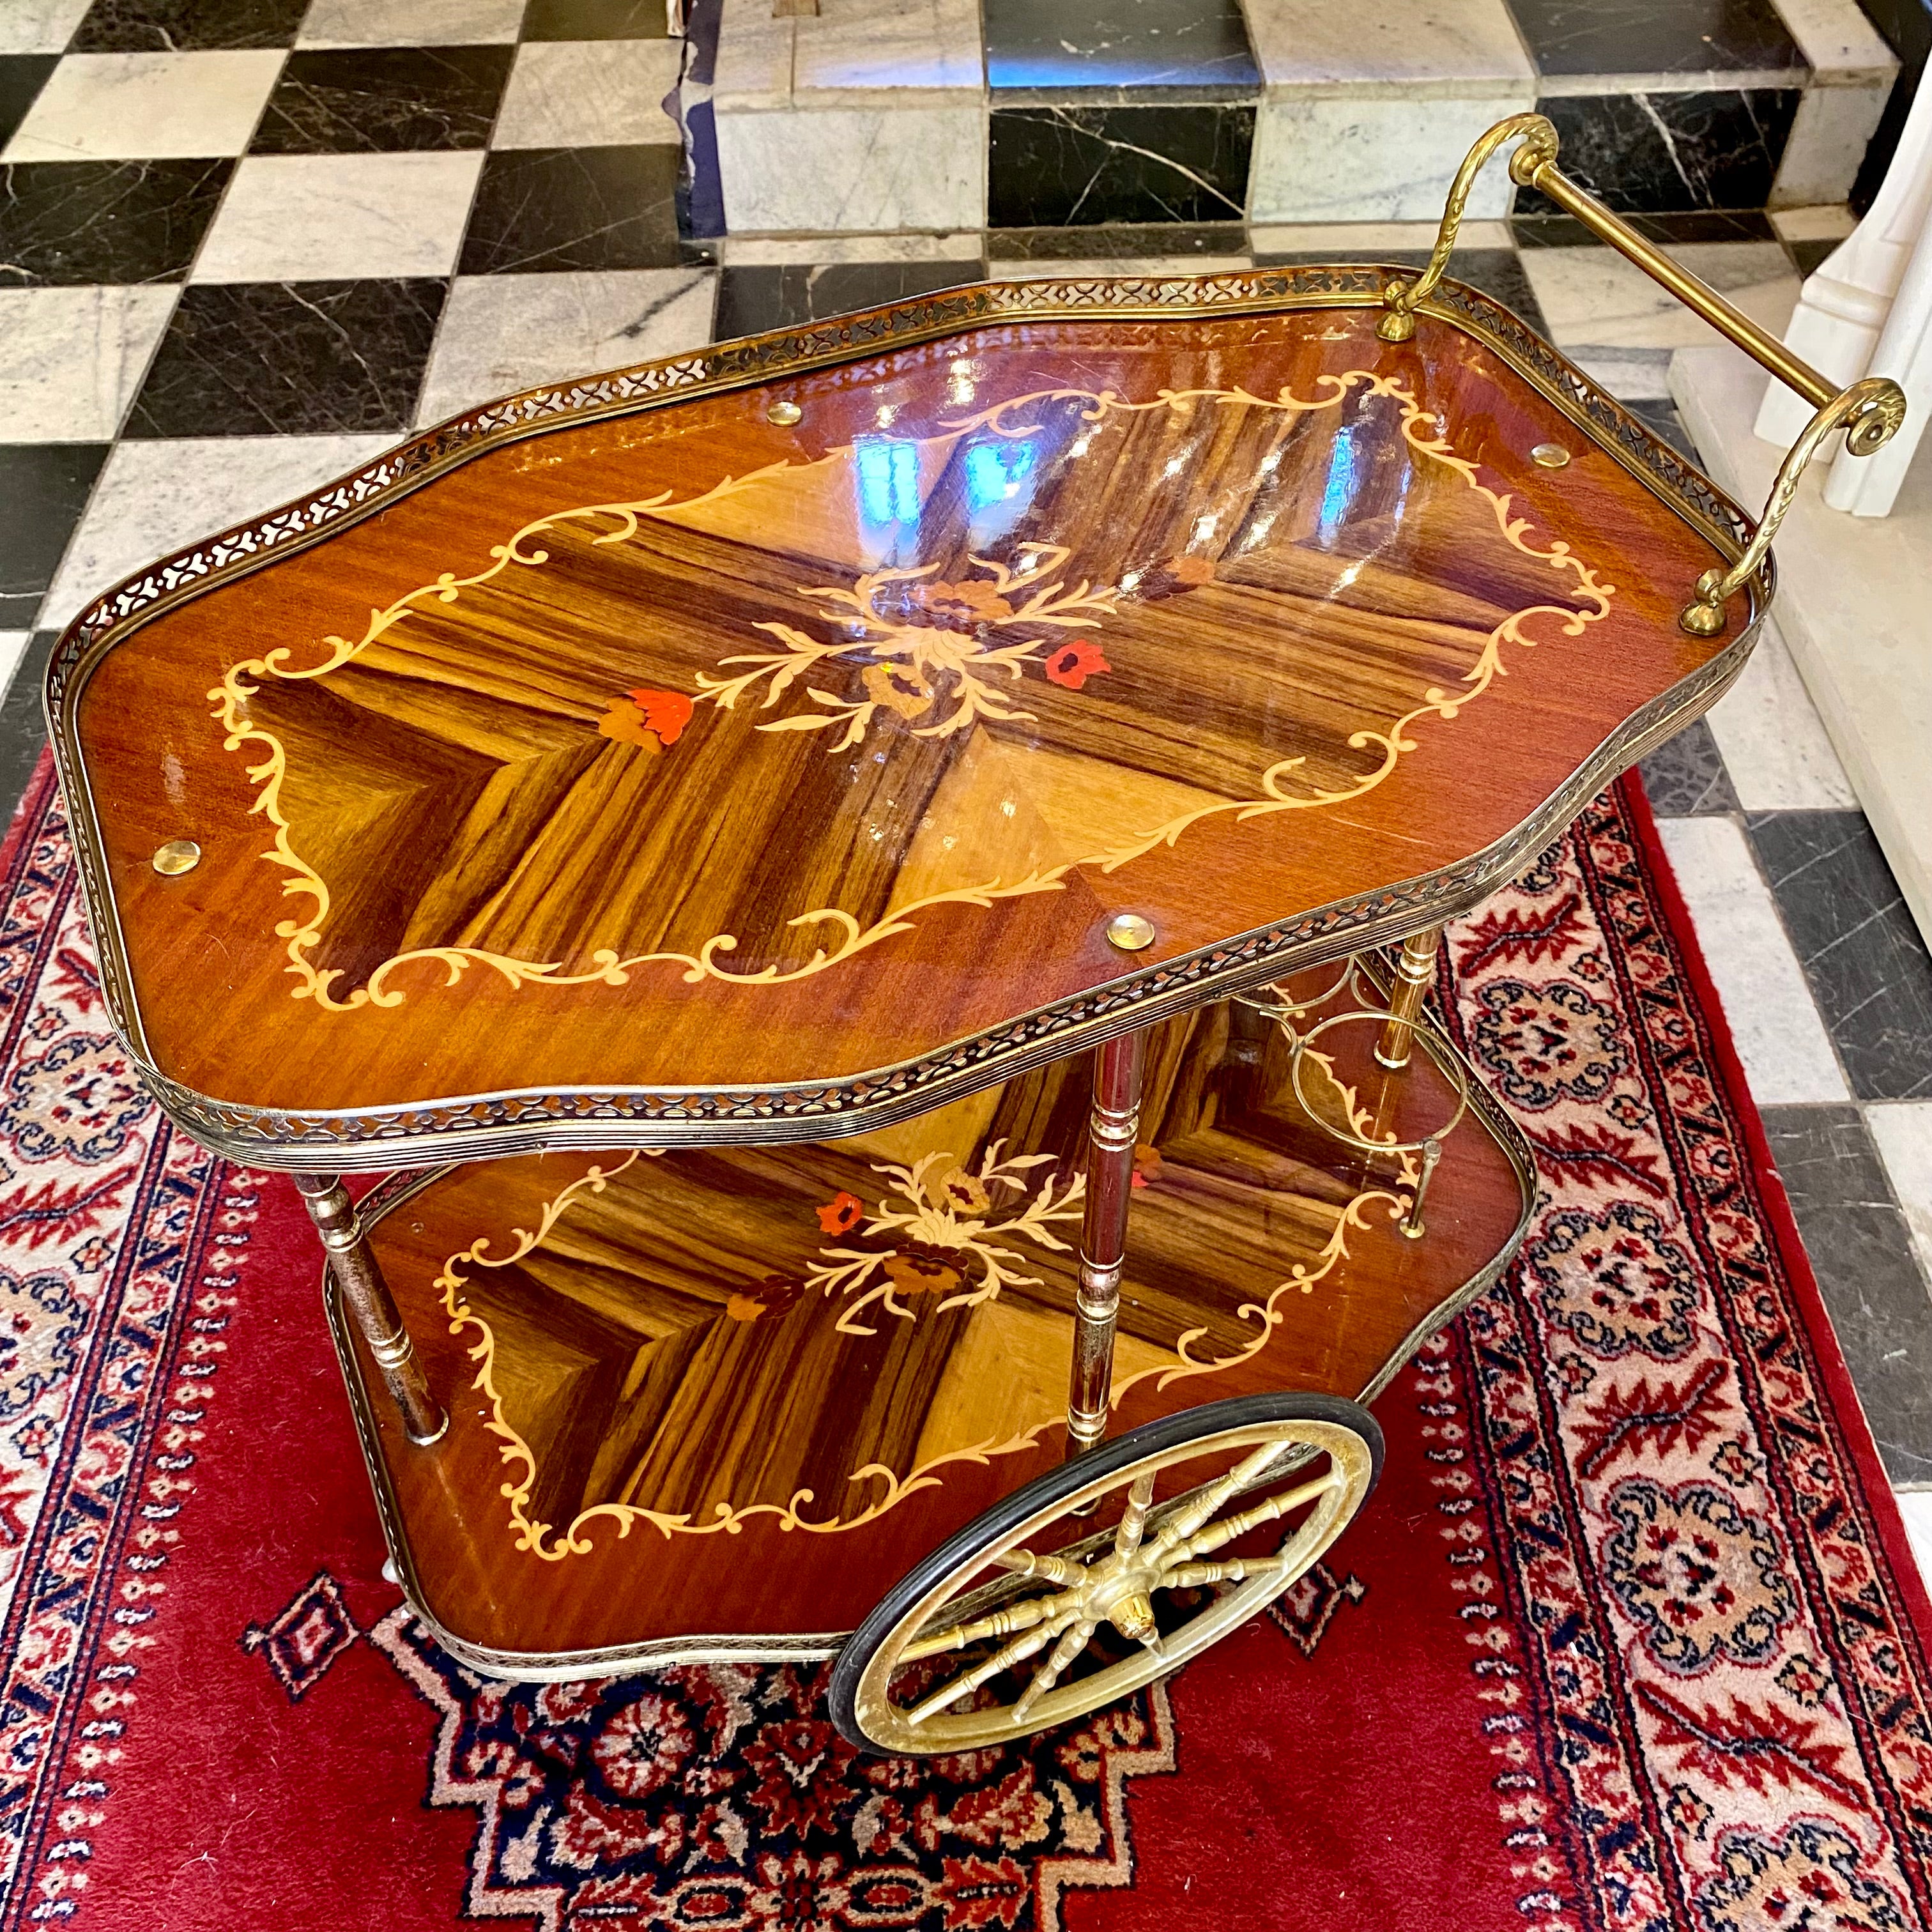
(1869,411)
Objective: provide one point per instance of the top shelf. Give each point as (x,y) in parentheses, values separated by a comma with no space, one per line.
(766,743)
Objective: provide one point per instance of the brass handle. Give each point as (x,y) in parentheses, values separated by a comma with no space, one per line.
(1869,411)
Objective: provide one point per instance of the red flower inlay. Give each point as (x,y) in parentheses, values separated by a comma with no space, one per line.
(667,712)
(840,1213)
(1073,665)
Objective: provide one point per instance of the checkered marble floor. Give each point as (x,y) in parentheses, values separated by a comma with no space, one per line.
(246,244)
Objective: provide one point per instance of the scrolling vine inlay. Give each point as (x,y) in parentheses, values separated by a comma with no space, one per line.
(972,697)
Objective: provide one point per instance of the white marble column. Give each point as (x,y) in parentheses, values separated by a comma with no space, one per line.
(1845,305)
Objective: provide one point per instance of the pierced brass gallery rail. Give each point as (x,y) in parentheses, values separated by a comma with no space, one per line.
(1869,411)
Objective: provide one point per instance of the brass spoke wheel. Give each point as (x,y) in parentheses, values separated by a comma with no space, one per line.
(1106,1573)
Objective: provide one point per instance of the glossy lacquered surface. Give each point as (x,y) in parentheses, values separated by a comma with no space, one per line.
(700,746)
(736,1392)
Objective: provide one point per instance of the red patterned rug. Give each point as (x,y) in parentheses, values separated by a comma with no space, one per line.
(1628,1638)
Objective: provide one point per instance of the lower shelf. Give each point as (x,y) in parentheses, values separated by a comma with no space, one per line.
(713,1402)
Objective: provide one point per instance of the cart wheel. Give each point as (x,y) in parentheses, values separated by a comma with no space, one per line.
(1108,1564)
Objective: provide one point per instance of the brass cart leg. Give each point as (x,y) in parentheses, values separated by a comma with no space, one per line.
(1413,970)
(1112,1128)
(368,1294)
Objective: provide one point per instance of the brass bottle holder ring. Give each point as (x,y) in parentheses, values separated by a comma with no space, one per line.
(1285,1011)
(1430,1147)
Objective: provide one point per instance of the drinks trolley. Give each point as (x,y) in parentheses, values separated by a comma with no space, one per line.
(877,887)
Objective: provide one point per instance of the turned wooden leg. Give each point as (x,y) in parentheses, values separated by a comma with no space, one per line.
(1413,970)
(1112,1128)
(360,1281)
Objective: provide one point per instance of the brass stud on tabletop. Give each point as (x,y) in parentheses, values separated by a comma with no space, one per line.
(1130,932)
(784,414)
(1550,456)
(176,856)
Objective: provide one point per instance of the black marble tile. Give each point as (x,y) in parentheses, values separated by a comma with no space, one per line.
(1655,36)
(1663,152)
(1860,1251)
(23,723)
(1685,225)
(1662,416)
(752,299)
(1857,941)
(278,358)
(1685,775)
(380,100)
(1807,256)
(44,488)
(1055,49)
(22,77)
(574,207)
(1089,165)
(81,222)
(171,26)
(595,20)
(1143,238)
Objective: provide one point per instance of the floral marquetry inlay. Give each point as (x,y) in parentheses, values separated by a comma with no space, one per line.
(989,674)
(946,1277)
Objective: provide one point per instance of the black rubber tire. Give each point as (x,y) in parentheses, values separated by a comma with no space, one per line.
(992,1527)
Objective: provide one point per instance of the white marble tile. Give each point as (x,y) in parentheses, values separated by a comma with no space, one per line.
(1903,1130)
(1044,270)
(1716,80)
(409,23)
(1827,143)
(754,57)
(931,47)
(1408,50)
(71,359)
(327,217)
(1780,1039)
(154,497)
(1328,158)
(1831,223)
(853,169)
(1840,45)
(1358,238)
(139,106)
(13,649)
(589,94)
(503,333)
(769,251)
(1773,741)
(39,26)
(1593,297)
(1916,1507)
(1630,375)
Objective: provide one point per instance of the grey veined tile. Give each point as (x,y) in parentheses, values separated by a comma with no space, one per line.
(1856,1236)
(1685,775)
(1859,946)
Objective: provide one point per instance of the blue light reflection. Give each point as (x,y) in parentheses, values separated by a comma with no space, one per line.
(1344,485)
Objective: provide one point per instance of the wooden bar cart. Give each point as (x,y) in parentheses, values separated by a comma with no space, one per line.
(879,886)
